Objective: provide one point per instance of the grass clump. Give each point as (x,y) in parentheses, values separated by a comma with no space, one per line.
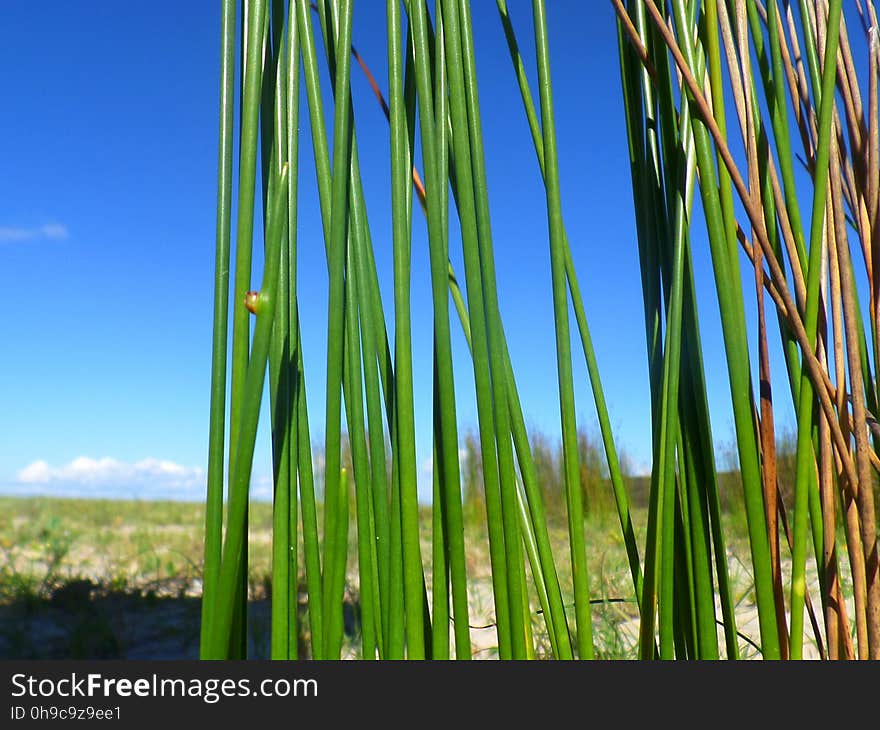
(721,100)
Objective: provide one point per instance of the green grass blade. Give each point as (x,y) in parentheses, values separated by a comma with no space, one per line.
(620,492)
(366,541)
(563,345)
(496,342)
(292,364)
(254,30)
(442,342)
(531,546)
(335,557)
(217,426)
(337,245)
(403,430)
(230,573)
(279,372)
(439,549)
(477,324)
(727,279)
(311,544)
(534,500)
(805,458)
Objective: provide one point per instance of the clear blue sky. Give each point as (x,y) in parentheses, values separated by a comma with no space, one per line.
(107,205)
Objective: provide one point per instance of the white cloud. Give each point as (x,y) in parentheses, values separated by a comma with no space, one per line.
(50,231)
(85,470)
(106,477)
(35,473)
(54,230)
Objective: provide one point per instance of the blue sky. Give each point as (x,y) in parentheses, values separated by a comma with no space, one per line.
(107,209)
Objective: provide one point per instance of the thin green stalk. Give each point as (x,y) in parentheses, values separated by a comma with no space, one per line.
(534,501)
(374,341)
(366,542)
(439,547)
(292,130)
(231,576)
(669,431)
(480,347)
(279,377)
(674,261)
(779,118)
(311,546)
(379,524)
(620,493)
(445,503)
(361,306)
(403,430)
(335,558)
(731,306)
(707,485)
(700,549)
(695,427)
(217,427)
(538,576)
(649,176)
(337,244)
(254,30)
(563,346)
(520,441)
(372,302)
(805,399)
(496,341)
(811,49)
(683,596)
(442,342)
(396,630)
(661,567)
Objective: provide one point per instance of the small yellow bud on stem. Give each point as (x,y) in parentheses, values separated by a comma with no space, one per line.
(252,302)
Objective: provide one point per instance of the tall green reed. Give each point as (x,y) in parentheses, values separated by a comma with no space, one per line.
(434,73)
(810,94)
(680,67)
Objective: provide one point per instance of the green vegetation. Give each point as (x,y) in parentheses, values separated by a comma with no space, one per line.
(116,579)
(771,65)
(435,76)
(753,137)
(532,504)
